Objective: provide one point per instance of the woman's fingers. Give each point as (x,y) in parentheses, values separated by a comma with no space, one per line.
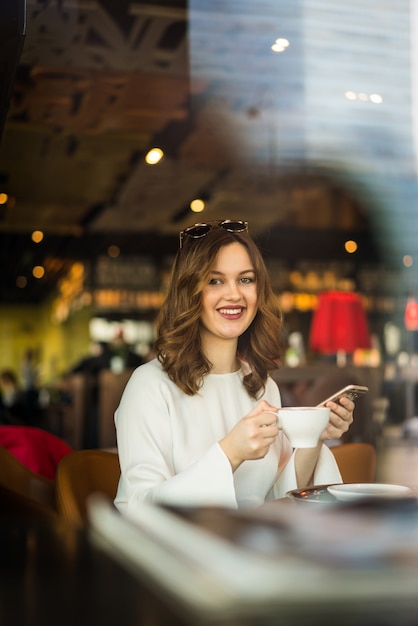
(341,418)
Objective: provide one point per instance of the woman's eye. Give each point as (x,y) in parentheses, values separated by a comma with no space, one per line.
(247,280)
(243,280)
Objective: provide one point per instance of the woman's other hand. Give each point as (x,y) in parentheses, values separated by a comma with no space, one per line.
(341,418)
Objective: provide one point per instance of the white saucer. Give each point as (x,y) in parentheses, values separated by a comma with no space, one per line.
(354,491)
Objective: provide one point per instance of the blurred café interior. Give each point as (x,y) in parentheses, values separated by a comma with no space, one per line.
(129,121)
(124,121)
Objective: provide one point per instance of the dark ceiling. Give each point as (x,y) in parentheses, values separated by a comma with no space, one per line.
(96,85)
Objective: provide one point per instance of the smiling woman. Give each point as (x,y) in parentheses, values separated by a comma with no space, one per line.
(190,420)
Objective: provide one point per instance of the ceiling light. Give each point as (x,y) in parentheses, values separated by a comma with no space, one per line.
(350,246)
(3,198)
(350,95)
(197,205)
(37,236)
(38,271)
(280,44)
(154,156)
(376,98)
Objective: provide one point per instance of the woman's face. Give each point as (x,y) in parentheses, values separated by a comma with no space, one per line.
(229,300)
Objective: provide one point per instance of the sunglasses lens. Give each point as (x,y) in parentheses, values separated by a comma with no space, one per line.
(198,230)
(235,226)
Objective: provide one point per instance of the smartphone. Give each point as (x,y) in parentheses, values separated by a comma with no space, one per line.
(351,391)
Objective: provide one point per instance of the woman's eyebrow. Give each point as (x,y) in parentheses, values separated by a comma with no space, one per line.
(218,273)
(250,269)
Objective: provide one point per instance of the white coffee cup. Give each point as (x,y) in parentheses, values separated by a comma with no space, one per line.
(303,425)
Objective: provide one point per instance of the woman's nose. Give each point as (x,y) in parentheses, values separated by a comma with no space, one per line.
(233,290)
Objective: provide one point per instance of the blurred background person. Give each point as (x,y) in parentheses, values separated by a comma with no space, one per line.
(13,408)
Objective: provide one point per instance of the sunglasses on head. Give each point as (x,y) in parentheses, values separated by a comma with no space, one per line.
(197,231)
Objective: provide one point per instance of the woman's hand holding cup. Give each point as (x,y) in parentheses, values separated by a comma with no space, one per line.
(252,436)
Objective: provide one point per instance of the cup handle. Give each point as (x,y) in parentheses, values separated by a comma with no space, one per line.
(276,413)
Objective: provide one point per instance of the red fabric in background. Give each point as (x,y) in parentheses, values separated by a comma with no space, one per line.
(411,315)
(339,323)
(37,449)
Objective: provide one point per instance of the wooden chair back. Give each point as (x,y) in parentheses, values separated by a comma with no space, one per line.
(79,475)
(356,461)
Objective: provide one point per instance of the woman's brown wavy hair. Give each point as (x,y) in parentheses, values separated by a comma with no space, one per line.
(178,344)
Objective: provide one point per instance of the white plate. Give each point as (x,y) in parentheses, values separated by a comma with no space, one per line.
(355,491)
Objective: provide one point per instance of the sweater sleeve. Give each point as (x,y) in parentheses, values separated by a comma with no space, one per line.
(145,446)
(209,481)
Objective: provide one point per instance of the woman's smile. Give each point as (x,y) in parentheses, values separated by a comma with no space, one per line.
(232,313)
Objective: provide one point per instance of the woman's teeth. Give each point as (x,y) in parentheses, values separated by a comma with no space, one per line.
(230,311)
